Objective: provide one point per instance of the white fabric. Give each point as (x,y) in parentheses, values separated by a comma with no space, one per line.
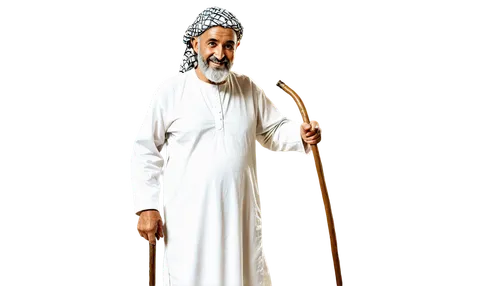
(211,198)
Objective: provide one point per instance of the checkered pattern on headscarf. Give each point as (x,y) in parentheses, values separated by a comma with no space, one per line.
(210,17)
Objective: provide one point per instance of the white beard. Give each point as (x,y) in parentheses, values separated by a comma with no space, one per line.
(216,75)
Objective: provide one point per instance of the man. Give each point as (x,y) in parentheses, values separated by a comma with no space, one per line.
(209,118)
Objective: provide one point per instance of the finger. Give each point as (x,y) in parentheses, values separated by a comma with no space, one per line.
(306,126)
(317,140)
(151,238)
(163,232)
(160,228)
(314,141)
(312,133)
(314,137)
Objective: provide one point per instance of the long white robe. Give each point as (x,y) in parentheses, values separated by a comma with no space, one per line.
(211,199)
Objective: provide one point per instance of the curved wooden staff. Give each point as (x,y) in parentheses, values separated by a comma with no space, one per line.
(319,168)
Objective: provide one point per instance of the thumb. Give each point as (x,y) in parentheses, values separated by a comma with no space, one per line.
(314,125)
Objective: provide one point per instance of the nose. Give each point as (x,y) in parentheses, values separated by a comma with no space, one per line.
(219,54)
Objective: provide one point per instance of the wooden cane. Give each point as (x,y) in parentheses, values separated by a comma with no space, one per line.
(319,168)
(152,274)
(152,264)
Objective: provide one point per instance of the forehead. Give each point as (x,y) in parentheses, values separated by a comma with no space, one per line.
(219,33)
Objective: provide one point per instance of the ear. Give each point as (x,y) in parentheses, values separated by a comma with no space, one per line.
(239,45)
(194,44)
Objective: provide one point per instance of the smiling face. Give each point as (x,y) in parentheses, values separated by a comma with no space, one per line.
(215,48)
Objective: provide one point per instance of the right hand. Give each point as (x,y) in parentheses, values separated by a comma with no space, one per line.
(150,225)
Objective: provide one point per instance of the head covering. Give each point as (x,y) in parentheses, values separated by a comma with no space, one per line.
(210,17)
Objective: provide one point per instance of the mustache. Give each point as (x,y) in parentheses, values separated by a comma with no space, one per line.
(224,60)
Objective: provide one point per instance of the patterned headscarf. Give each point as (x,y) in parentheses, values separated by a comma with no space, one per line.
(211,17)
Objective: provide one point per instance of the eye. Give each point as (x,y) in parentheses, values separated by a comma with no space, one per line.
(229,46)
(212,44)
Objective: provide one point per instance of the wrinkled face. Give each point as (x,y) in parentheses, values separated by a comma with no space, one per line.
(215,48)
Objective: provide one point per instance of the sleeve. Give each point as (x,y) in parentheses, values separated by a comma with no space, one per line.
(274,131)
(147,161)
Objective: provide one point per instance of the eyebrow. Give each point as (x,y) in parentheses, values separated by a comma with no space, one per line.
(215,40)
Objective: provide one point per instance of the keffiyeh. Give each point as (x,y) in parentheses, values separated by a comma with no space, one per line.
(210,17)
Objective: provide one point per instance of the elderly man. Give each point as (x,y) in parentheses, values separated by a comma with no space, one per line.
(209,118)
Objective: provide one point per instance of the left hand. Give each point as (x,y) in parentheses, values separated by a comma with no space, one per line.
(311,133)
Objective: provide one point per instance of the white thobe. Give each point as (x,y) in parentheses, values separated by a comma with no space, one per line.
(211,201)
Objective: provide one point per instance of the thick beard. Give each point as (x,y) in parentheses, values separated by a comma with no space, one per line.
(216,75)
